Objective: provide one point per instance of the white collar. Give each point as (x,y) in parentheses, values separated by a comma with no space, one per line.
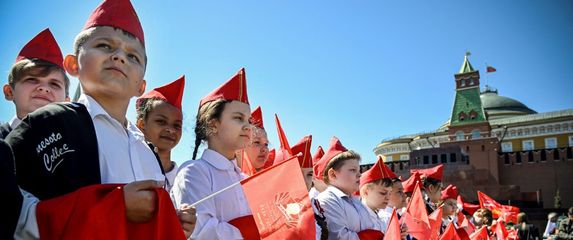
(219,161)
(14,122)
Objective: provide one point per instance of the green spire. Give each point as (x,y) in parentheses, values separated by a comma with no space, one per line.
(466,66)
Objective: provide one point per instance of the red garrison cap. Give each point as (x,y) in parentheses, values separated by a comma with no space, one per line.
(234,89)
(118,14)
(171,93)
(44,47)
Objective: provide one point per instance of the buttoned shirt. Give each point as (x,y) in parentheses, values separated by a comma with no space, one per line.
(198,179)
(344,214)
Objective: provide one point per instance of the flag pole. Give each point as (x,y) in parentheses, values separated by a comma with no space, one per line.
(215,194)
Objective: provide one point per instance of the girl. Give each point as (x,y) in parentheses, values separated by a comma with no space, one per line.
(432,185)
(223,122)
(345,215)
(160,118)
(257,152)
(448,201)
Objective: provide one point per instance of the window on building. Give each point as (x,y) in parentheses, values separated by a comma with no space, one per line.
(570,141)
(543,155)
(569,153)
(518,157)
(462,116)
(528,145)
(556,155)
(471,82)
(506,159)
(426,159)
(434,159)
(453,157)
(401,166)
(476,134)
(506,147)
(444,158)
(463,83)
(530,156)
(473,114)
(404,157)
(389,159)
(551,142)
(460,135)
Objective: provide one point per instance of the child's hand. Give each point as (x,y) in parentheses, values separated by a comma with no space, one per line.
(140,200)
(187,218)
(403,231)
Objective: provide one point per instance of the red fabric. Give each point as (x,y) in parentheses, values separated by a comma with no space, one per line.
(247,226)
(436,172)
(317,155)
(377,172)
(507,213)
(235,89)
(171,93)
(284,210)
(271,159)
(450,233)
(512,234)
(480,234)
(303,148)
(468,207)
(246,164)
(416,217)
(451,191)
(284,151)
(98,212)
(499,230)
(411,182)
(119,14)
(435,219)
(257,117)
(393,231)
(465,228)
(44,47)
(491,69)
(370,234)
(334,149)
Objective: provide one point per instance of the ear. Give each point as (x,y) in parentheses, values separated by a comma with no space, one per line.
(8,93)
(71,65)
(213,125)
(140,124)
(331,174)
(141,88)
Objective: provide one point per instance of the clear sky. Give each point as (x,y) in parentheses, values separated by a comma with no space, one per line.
(360,70)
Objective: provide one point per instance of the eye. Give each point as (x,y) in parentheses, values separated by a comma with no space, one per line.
(134,58)
(56,85)
(177,126)
(31,80)
(103,46)
(160,122)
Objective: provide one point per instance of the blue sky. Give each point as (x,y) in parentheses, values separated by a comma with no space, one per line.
(360,70)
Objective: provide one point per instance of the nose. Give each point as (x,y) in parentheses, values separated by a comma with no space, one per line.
(44,89)
(118,56)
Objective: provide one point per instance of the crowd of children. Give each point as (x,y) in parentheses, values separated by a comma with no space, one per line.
(76,170)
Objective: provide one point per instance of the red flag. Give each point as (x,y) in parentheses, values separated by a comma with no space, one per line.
(435,219)
(490,69)
(512,234)
(450,233)
(468,207)
(500,231)
(393,231)
(465,227)
(271,159)
(246,164)
(480,234)
(416,217)
(283,152)
(283,210)
(506,212)
(98,212)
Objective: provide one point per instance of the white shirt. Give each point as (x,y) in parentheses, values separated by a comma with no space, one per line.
(171,176)
(376,222)
(313,193)
(14,122)
(198,179)
(344,214)
(549,228)
(124,157)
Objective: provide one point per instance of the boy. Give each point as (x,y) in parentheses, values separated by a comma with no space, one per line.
(36,79)
(65,148)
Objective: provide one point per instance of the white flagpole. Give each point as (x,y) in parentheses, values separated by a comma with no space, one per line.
(215,194)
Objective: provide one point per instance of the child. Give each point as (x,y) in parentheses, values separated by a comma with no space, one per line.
(223,121)
(375,189)
(257,152)
(36,79)
(432,185)
(65,148)
(345,215)
(318,185)
(448,201)
(160,118)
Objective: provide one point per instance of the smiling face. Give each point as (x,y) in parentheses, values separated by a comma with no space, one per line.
(162,126)
(33,91)
(258,149)
(109,64)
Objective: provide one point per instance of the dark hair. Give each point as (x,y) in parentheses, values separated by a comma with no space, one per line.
(522,218)
(84,35)
(143,106)
(487,214)
(427,182)
(385,182)
(337,161)
(37,68)
(208,112)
